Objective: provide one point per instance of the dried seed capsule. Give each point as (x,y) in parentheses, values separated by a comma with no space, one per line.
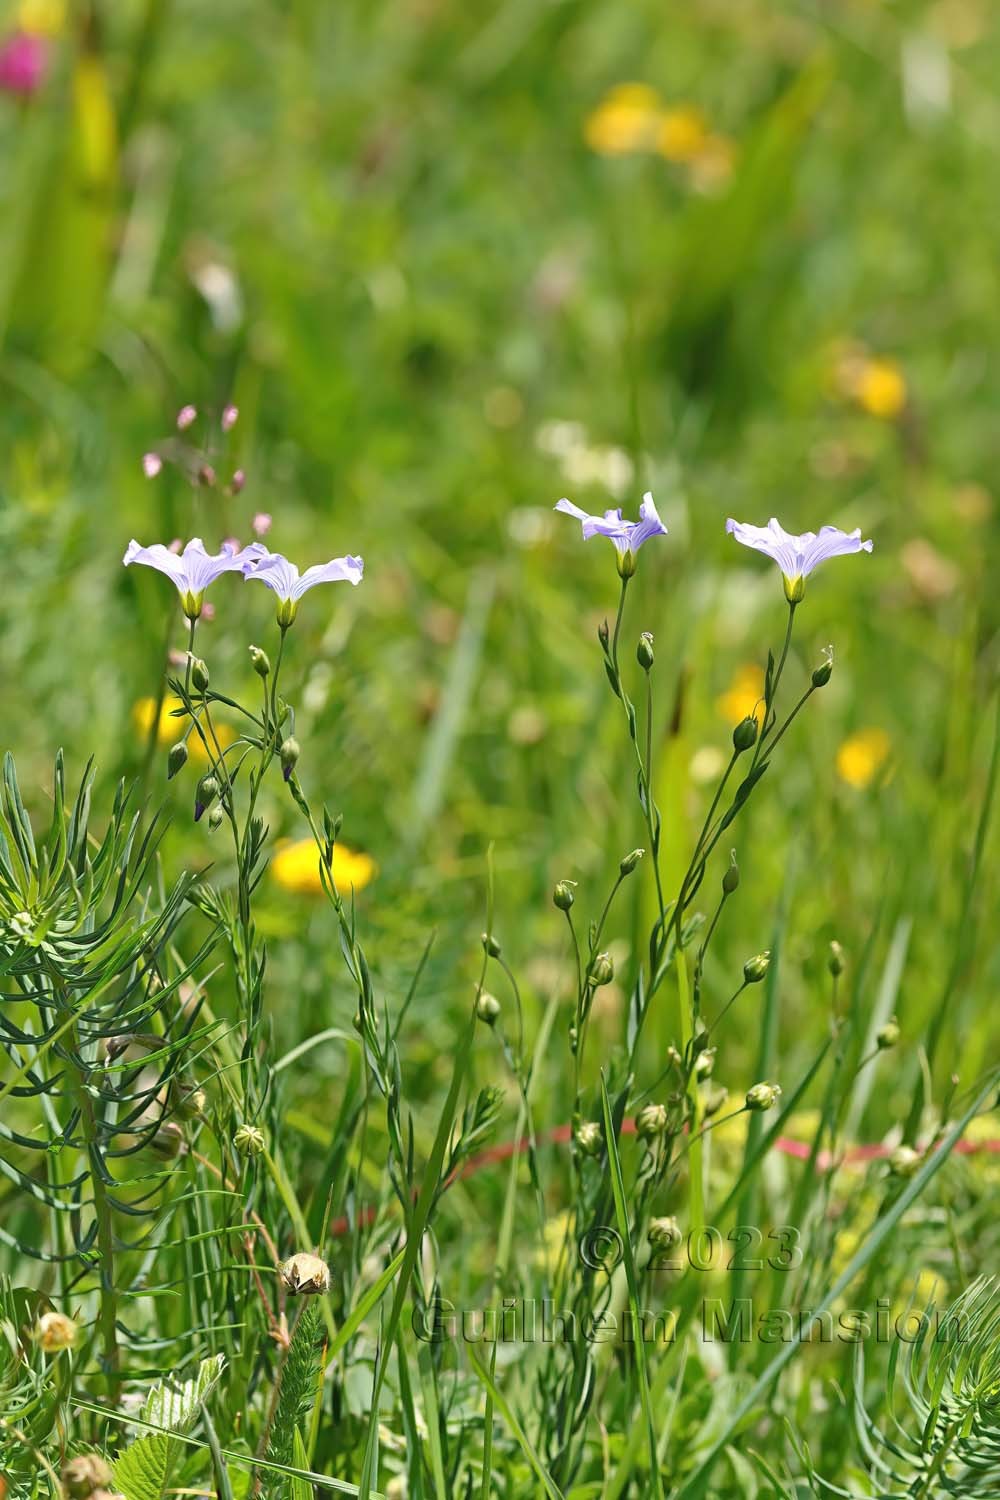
(305,1274)
(84,1475)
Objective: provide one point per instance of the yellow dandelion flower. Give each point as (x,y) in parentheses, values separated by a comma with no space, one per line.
(170,728)
(682,134)
(742,698)
(881,388)
(295,867)
(627,119)
(862,756)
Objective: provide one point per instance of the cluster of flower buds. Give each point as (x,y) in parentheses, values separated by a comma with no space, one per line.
(194,462)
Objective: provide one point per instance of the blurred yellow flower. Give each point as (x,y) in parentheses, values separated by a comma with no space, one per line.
(875,382)
(862,755)
(743,696)
(682,133)
(295,867)
(627,119)
(42,17)
(881,388)
(169,728)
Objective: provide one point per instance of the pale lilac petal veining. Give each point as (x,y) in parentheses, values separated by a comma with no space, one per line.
(797,555)
(627,536)
(193,569)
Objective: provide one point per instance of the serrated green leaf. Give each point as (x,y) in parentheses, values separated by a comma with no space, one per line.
(142,1471)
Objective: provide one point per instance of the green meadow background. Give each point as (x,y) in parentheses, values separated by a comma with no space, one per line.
(407,241)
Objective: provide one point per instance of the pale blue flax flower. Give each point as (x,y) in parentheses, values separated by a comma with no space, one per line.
(193,569)
(796,556)
(284,579)
(627,536)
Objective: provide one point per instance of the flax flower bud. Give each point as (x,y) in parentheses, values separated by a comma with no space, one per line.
(763,1096)
(208,790)
(563,896)
(260,661)
(305,1274)
(189,1100)
(487,1008)
(835,963)
(904,1161)
(289,754)
(590,1138)
(199,674)
(664,1233)
(644,651)
(176,759)
(55,1332)
(248,1140)
(822,674)
(602,970)
(714,1097)
(490,945)
(650,1121)
(731,878)
(630,861)
(756,968)
(745,734)
(888,1035)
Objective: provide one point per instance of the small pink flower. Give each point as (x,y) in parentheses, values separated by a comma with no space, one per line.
(208,610)
(230,416)
(185,417)
(237,482)
(261,523)
(152,463)
(175,545)
(23,63)
(232,544)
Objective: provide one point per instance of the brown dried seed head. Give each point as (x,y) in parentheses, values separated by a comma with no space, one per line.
(305,1274)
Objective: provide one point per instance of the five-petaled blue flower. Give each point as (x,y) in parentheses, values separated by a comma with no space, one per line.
(193,569)
(284,578)
(627,536)
(796,556)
